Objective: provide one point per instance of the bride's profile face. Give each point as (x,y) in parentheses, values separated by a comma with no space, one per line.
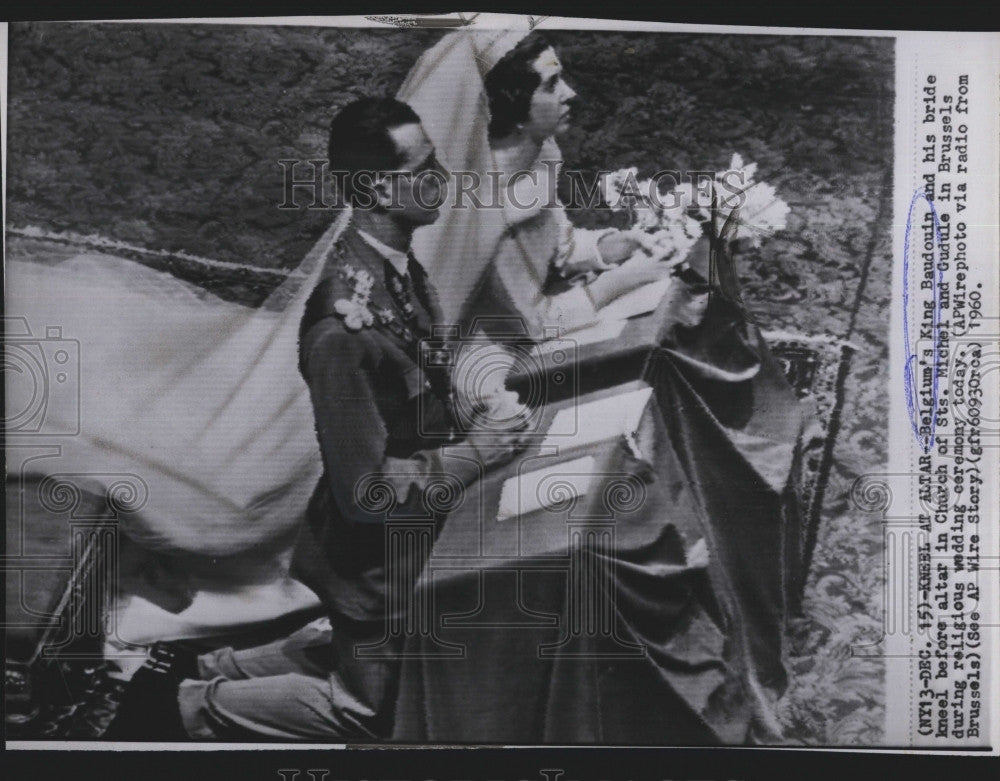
(549,111)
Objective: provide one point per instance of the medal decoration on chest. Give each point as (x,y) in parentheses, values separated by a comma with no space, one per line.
(403,298)
(357,311)
(388,318)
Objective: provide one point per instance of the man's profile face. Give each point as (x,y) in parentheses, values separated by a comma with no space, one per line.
(419,192)
(549,112)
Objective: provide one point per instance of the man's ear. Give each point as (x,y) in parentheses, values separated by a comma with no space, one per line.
(383,190)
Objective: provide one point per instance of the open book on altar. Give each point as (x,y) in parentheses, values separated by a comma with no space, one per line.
(637,302)
(611,319)
(606,419)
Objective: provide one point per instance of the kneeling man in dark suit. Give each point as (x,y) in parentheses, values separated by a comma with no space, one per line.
(384,419)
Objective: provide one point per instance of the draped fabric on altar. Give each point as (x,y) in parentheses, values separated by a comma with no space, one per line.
(741,442)
(727,453)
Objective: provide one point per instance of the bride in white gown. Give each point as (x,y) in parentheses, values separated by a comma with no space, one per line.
(492,101)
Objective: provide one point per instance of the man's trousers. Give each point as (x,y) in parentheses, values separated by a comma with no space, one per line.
(309,686)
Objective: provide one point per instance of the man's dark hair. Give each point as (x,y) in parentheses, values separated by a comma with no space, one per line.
(360,141)
(511,83)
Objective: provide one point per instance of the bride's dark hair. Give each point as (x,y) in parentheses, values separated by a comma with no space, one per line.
(511,83)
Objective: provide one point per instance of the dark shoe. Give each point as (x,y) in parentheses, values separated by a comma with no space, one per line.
(149,710)
(175,658)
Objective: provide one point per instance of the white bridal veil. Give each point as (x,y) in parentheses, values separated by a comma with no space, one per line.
(445,87)
(189,411)
(199,399)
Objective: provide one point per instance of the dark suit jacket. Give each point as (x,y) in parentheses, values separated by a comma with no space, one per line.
(381,419)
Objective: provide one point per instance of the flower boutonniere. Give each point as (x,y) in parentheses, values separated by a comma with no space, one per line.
(355,311)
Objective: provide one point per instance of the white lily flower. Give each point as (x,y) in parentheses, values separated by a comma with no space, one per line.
(613,184)
(762,213)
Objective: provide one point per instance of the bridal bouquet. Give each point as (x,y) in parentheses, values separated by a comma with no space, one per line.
(671,230)
(675,220)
